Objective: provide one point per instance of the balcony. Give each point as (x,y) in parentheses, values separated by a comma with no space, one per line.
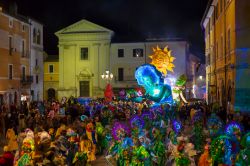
(126,79)
(26,80)
(208,60)
(24,55)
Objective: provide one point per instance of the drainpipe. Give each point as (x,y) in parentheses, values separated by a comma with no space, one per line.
(76,46)
(225,59)
(145,52)
(98,45)
(30,55)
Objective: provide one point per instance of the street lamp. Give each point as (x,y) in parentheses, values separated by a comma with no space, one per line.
(108,93)
(108,76)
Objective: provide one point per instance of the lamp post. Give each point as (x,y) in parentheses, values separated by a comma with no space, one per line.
(108,76)
(108,93)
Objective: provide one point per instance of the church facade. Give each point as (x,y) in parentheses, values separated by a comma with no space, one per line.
(83,56)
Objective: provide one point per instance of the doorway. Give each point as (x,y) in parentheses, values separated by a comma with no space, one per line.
(51,93)
(84,88)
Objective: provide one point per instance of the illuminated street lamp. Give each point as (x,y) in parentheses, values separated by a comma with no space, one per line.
(108,76)
(108,93)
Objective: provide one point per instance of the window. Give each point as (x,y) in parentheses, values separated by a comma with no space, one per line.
(38,40)
(138,52)
(222,47)
(120,74)
(221,7)
(37,79)
(10,72)
(36,62)
(228,1)
(213,19)
(51,68)
(34,35)
(229,41)
(216,12)
(120,53)
(84,53)
(23,48)
(23,27)
(10,45)
(217,50)
(10,22)
(23,73)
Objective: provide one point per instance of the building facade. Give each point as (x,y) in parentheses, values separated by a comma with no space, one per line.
(227,43)
(36,59)
(15,76)
(83,57)
(86,52)
(127,57)
(51,78)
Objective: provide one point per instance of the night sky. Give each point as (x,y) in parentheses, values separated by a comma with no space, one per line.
(131,20)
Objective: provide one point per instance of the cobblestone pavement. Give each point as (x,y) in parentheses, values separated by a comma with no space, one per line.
(100,161)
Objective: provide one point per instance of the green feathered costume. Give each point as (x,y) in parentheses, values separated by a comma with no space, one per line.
(140,157)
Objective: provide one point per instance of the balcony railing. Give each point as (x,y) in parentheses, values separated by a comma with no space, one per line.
(26,80)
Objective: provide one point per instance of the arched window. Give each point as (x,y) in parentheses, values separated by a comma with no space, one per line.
(38,37)
(34,35)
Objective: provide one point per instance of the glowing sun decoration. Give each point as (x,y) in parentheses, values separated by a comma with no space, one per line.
(162,60)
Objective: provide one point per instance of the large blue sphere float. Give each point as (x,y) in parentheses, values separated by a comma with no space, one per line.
(151,80)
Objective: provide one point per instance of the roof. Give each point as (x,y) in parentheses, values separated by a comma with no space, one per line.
(150,40)
(35,20)
(18,17)
(13,13)
(52,58)
(84,26)
(206,12)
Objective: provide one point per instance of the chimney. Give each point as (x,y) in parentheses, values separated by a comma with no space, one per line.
(13,8)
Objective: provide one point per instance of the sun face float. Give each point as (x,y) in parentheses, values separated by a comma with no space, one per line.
(162,60)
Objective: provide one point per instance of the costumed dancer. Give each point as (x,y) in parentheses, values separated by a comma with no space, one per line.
(157,148)
(140,156)
(180,157)
(243,158)
(92,136)
(205,159)
(27,151)
(100,137)
(73,145)
(84,152)
(12,140)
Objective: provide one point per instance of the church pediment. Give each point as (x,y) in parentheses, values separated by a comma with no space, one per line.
(83,26)
(84,74)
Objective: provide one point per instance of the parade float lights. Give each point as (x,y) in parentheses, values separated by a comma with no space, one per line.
(157,82)
(156,91)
